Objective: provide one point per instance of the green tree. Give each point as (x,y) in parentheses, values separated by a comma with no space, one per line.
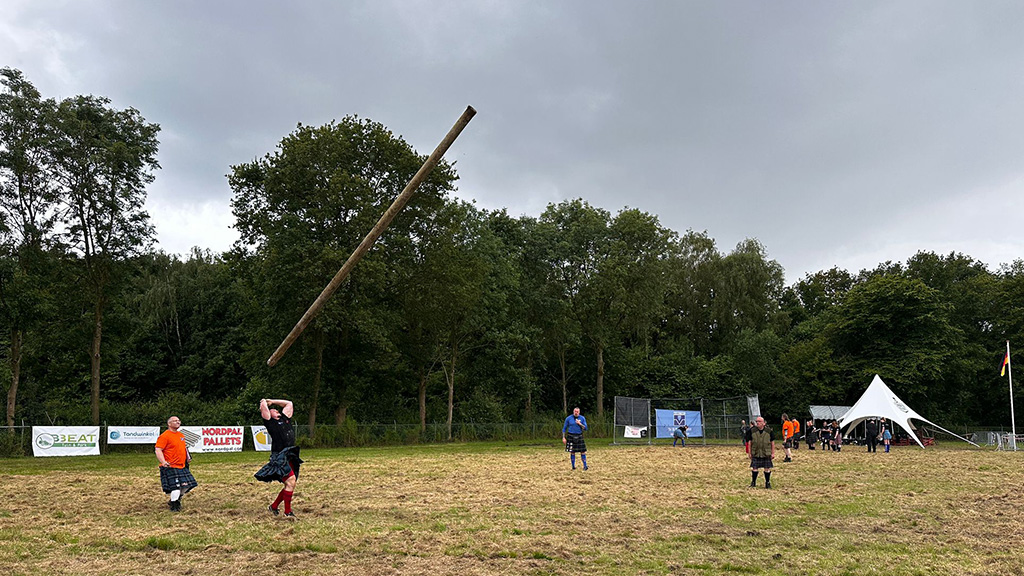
(27,215)
(300,212)
(103,159)
(898,327)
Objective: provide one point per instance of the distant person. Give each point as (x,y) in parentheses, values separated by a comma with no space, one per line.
(679,434)
(787,437)
(810,434)
(172,455)
(871,429)
(837,436)
(796,433)
(886,437)
(744,428)
(572,436)
(762,451)
(284,454)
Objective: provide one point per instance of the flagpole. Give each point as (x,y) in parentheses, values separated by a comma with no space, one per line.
(1013,416)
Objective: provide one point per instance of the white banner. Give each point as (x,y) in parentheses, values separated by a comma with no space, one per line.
(132,434)
(260,438)
(634,431)
(65,440)
(202,439)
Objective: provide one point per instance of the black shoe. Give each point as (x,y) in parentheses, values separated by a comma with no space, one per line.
(768,485)
(753,485)
(788,460)
(289,515)
(586,467)
(174,505)
(272,510)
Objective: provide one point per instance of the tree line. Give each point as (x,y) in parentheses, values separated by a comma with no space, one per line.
(457,314)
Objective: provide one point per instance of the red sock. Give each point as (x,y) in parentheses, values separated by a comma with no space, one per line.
(280,498)
(287,501)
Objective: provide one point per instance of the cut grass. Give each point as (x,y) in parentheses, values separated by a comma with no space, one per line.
(495,508)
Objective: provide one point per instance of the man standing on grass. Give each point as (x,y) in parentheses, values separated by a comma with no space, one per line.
(762,452)
(284,454)
(172,454)
(572,437)
(787,437)
(872,435)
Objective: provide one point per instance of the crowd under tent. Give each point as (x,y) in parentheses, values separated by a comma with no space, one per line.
(878,401)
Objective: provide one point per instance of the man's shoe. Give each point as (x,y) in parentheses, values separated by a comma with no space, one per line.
(753,485)
(272,510)
(768,485)
(289,515)
(174,505)
(788,460)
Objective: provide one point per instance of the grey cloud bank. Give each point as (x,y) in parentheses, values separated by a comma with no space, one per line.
(836,134)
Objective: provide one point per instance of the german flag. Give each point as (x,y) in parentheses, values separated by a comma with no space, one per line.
(1006,362)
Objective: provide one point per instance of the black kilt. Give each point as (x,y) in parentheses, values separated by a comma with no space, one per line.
(281,463)
(575,443)
(172,479)
(758,463)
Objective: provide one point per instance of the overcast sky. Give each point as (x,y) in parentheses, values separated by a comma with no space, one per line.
(836,133)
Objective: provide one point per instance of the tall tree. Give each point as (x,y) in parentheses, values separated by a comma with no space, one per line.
(301,211)
(103,160)
(27,213)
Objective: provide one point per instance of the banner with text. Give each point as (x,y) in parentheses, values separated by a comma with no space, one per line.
(202,439)
(132,434)
(65,440)
(669,420)
(635,432)
(260,438)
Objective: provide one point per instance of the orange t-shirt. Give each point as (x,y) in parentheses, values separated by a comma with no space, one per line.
(174,447)
(787,429)
(796,427)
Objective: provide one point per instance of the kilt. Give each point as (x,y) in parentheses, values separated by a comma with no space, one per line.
(172,479)
(575,443)
(758,463)
(281,463)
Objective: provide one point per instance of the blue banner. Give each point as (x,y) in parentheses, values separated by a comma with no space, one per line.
(669,420)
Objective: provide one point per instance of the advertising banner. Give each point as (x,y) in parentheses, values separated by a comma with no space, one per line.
(669,420)
(132,434)
(635,432)
(65,440)
(202,439)
(260,438)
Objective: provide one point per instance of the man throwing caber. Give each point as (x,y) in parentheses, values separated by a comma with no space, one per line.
(572,437)
(172,454)
(284,454)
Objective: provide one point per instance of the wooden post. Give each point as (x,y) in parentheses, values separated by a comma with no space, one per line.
(371,238)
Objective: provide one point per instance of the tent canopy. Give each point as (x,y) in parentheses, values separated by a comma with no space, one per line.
(828,412)
(878,401)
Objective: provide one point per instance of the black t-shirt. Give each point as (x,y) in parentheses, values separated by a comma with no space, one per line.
(282,433)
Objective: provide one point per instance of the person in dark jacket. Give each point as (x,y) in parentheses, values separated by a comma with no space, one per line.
(872,432)
(762,451)
(284,454)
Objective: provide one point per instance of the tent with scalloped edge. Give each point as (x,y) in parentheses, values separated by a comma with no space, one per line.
(878,401)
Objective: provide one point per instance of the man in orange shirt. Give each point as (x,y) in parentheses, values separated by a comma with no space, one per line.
(172,454)
(796,434)
(787,437)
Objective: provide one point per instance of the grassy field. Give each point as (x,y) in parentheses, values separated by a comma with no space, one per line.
(513,509)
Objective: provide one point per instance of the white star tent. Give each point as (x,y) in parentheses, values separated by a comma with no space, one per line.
(878,401)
